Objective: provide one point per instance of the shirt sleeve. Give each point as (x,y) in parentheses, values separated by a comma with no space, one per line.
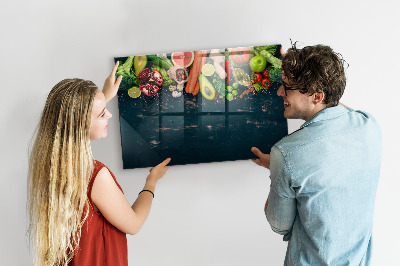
(281,210)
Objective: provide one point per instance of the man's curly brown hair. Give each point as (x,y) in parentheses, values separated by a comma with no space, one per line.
(316,69)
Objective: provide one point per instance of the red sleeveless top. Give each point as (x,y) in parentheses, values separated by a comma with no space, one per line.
(101,243)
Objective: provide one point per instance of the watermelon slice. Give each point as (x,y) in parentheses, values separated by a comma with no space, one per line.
(183,59)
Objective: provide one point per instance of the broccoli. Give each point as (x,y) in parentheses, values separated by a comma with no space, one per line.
(126,68)
(128,82)
(275,75)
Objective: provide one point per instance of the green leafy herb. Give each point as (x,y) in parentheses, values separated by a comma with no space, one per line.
(166,79)
(125,69)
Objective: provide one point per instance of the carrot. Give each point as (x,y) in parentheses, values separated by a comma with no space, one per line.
(196,88)
(194,71)
(228,71)
(190,73)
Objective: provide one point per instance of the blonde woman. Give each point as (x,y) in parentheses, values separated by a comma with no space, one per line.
(78,212)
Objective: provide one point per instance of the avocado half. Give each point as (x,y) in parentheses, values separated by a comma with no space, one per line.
(139,63)
(206,88)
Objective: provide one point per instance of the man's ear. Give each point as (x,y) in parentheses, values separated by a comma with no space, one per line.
(318,97)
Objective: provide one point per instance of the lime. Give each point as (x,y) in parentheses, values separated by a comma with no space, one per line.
(229,96)
(207,70)
(235,86)
(229,88)
(234,92)
(134,92)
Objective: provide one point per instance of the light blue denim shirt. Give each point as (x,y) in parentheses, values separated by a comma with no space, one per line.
(323,183)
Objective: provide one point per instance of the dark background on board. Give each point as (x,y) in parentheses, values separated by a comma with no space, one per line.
(191,129)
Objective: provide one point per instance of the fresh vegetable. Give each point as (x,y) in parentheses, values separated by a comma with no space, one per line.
(275,75)
(220,88)
(269,48)
(258,77)
(275,62)
(258,63)
(228,71)
(240,55)
(128,82)
(235,86)
(206,88)
(266,83)
(257,86)
(125,69)
(183,59)
(139,63)
(162,62)
(195,70)
(167,80)
(196,88)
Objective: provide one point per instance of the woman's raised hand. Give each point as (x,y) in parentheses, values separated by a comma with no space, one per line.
(111,86)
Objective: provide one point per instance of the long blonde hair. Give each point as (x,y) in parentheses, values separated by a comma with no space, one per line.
(60,168)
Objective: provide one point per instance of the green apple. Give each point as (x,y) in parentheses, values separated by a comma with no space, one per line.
(258,63)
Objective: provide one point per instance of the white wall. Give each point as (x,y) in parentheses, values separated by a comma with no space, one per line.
(207,214)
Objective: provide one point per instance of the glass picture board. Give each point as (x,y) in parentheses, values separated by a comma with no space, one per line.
(200,106)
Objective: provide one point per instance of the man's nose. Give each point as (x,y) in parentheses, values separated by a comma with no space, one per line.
(280,91)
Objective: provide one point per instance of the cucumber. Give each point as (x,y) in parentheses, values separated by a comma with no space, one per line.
(164,63)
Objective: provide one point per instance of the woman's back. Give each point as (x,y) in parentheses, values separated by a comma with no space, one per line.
(101,243)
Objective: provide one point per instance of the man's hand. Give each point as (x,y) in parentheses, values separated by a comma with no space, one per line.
(110,87)
(264,159)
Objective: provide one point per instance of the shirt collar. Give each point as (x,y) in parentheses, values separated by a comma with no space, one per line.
(326,114)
